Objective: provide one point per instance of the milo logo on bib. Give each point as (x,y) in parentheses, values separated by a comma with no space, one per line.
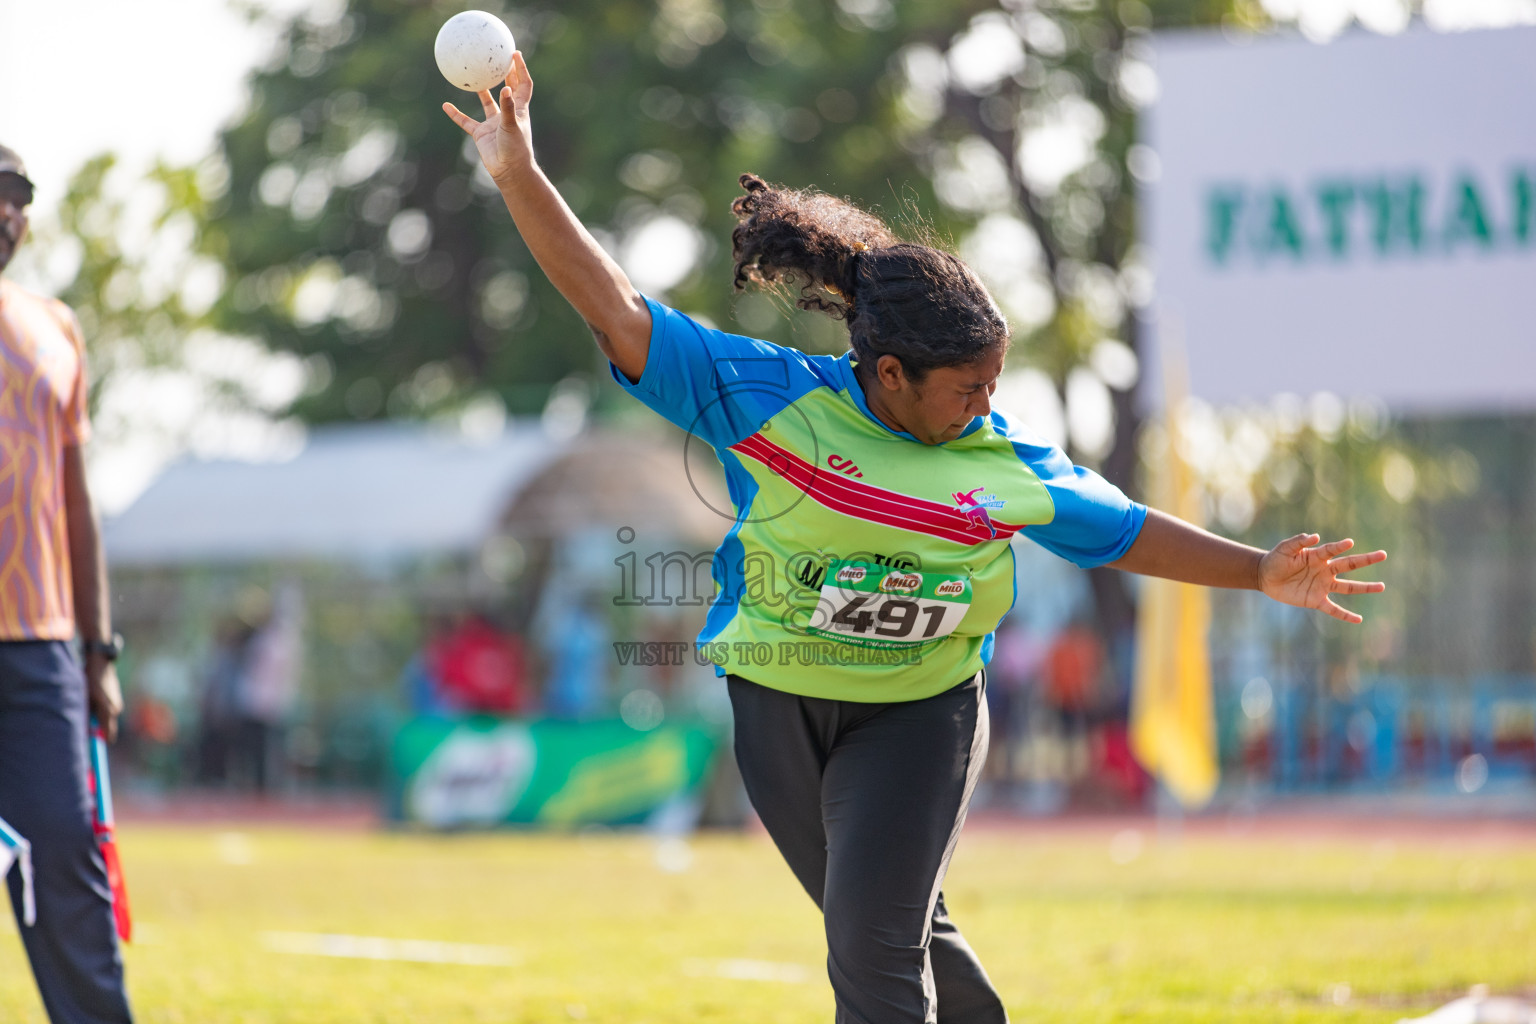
(873,606)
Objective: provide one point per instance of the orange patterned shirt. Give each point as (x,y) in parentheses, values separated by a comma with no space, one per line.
(42,410)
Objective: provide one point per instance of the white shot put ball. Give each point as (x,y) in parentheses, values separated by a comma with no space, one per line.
(474,50)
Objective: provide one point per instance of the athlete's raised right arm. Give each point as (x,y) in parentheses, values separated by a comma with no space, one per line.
(576,265)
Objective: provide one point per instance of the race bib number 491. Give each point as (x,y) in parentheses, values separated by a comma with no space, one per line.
(877,606)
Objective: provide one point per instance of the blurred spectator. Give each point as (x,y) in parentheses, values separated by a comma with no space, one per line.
(218,699)
(576,651)
(478,668)
(1012,681)
(267,686)
(1073,666)
(1126,782)
(423,689)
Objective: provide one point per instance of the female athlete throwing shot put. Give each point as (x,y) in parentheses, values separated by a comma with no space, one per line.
(885,487)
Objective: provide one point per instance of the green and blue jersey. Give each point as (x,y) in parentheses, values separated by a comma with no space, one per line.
(862,564)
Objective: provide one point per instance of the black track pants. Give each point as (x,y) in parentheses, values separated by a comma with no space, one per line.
(866,801)
(45,793)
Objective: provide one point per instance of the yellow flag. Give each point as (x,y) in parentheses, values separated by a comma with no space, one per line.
(1173,731)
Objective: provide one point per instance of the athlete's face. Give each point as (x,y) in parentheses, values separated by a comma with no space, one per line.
(943,405)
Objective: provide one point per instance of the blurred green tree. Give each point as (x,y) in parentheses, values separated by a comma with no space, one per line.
(357,234)
(123,260)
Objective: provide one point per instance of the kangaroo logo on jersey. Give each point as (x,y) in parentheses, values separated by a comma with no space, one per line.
(975,509)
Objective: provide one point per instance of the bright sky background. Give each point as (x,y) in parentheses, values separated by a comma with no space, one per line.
(143,78)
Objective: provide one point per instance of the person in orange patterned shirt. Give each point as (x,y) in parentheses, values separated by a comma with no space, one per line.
(53,590)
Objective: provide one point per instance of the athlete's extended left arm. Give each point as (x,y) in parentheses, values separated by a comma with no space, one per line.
(1298,571)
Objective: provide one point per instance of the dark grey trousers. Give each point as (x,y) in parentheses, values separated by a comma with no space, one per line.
(45,793)
(865,801)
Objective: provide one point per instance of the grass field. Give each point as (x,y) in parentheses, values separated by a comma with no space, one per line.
(1075,923)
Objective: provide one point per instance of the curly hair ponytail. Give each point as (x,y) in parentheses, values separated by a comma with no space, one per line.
(919,304)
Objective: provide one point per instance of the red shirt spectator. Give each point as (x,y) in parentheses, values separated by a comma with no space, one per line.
(479,668)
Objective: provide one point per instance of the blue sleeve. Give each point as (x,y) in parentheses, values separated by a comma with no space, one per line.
(1095,523)
(719,387)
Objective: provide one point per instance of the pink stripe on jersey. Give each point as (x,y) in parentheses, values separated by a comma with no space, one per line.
(870,503)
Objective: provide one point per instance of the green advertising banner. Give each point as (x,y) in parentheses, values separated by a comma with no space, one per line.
(483,772)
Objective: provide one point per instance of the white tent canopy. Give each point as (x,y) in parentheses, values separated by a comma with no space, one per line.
(367,493)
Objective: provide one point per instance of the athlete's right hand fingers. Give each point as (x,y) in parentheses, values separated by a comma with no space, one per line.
(460,118)
(1352,562)
(519,81)
(487,102)
(1342,614)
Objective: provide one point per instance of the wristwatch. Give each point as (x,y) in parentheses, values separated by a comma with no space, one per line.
(109,649)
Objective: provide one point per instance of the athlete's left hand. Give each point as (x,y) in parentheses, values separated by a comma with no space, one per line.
(1299,571)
